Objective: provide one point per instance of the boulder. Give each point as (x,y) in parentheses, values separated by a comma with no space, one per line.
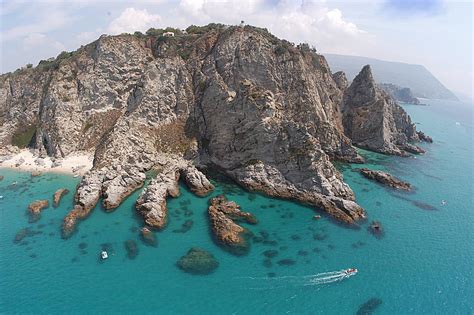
(196,181)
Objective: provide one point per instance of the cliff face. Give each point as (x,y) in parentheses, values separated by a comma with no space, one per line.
(373,120)
(400,94)
(236,99)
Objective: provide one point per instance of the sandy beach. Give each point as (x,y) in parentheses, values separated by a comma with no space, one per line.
(75,164)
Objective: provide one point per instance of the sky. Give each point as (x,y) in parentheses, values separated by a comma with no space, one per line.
(434,33)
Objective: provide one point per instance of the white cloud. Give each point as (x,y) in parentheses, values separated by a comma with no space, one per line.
(39,40)
(131,20)
(312,22)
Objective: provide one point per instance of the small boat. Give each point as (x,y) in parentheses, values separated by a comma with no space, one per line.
(443,202)
(351,271)
(104,255)
(1,197)
(317,217)
(76,175)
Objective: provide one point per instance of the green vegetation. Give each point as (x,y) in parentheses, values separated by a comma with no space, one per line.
(194,29)
(29,65)
(22,137)
(53,64)
(88,126)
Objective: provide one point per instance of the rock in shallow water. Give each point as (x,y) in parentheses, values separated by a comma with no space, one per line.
(230,235)
(369,307)
(35,208)
(58,195)
(148,237)
(385,179)
(132,249)
(198,262)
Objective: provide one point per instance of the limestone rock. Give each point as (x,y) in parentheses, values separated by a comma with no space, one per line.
(58,195)
(373,120)
(35,208)
(197,181)
(424,137)
(400,94)
(151,204)
(120,184)
(232,210)
(71,219)
(260,110)
(227,233)
(385,179)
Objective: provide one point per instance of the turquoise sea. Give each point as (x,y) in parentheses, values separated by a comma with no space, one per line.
(422,264)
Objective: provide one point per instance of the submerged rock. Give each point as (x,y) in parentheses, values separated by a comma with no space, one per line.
(148,237)
(385,179)
(58,195)
(21,234)
(369,307)
(1,177)
(35,208)
(35,173)
(270,253)
(185,227)
(376,229)
(286,262)
(132,249)
(198,262)
(226,232)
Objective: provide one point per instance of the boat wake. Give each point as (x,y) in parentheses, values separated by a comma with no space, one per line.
(264,283)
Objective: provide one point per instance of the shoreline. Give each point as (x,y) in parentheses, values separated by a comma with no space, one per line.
(25,160)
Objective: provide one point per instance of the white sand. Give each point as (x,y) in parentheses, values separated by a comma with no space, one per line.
(76,163)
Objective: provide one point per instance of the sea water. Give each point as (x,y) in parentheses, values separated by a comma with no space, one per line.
(422,263)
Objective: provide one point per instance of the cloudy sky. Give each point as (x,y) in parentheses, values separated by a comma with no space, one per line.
(434,33)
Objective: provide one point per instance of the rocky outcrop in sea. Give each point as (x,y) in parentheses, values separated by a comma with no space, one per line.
(385,179)
(400,94)
(266,113)
(223,214)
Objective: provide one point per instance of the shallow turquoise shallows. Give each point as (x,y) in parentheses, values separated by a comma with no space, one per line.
(423,263)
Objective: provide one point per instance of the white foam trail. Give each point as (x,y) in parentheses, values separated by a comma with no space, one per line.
(309,280)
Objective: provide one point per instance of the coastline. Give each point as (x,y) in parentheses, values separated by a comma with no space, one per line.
(77,163)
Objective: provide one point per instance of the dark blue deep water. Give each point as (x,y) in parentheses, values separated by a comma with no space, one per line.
(422,264)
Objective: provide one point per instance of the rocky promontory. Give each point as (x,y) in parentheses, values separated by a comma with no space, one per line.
(262,111)
(404,95)
(385,179)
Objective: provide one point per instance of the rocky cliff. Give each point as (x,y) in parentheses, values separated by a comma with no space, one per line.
(373,120)
(266,113)
(400,94)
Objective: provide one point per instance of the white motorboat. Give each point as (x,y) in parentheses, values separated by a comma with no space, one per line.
(104,255)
